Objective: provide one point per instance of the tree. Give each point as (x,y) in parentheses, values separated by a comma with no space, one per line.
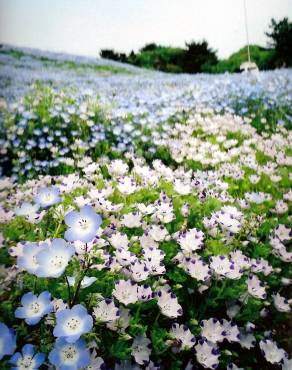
(198,57)
(149,47)
(281,36)
(109,54)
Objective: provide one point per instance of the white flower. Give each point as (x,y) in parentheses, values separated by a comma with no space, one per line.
(254,179)
(181,187)
(168,303)
(5,216)
(141,349)
(96,363)
(261,265)
(229,219)
(117,168)
(235,271)
(26,209)
(196,268)
(126,291)
(256,287)
(257,198)
(272,353)
(106,311)
(281,303)
(207,354)
(281,207)
(247,340)
(153,260)
(119,240)
(127,185)
(144,293)
(81,201)
(158,232)
(283,232)
(146,210)
(191,240)
(230,331)
(287,364)
(185,209)
(58,305)
(121,323)
(139,271)
(183,337)
(164,211)
(147,241)
(131,220)
(212,330)
(125,257)
(240,259)
(221,265)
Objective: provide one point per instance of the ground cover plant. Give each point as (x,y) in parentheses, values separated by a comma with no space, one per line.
(145,221)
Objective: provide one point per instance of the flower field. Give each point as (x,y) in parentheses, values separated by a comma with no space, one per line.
(145,218)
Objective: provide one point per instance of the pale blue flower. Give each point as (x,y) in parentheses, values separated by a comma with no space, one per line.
(28,359)
(53,260)
(83,225)
(7,341)
(34,307)
(72,323)
(47,197)
(86,281)
(69,356)
(27,260)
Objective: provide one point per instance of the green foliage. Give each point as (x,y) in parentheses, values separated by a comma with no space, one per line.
(281,39)
(162,58)
(195,57)
(263,57)
(198,57)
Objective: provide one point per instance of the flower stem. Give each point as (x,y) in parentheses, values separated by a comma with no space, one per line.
(69,289)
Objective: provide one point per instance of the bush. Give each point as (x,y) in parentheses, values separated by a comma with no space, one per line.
(281,35)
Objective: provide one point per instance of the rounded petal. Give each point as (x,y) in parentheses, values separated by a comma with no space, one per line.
(20,313)
(39,359)
(27,298)
(28,349)
(71,218)
(87,324)
(15,358)
(45,297)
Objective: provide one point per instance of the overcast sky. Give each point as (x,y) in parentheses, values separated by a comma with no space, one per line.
(86,26)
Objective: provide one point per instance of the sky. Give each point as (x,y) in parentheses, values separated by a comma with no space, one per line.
(86,26)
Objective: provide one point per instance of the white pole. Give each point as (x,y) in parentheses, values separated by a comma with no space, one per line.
(246,29)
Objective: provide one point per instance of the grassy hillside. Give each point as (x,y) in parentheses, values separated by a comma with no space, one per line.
(261,56)
(19,54)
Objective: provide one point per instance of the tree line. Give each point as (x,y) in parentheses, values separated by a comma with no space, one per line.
(198,57)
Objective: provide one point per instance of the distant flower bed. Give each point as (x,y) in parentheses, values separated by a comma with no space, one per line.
(144,242)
